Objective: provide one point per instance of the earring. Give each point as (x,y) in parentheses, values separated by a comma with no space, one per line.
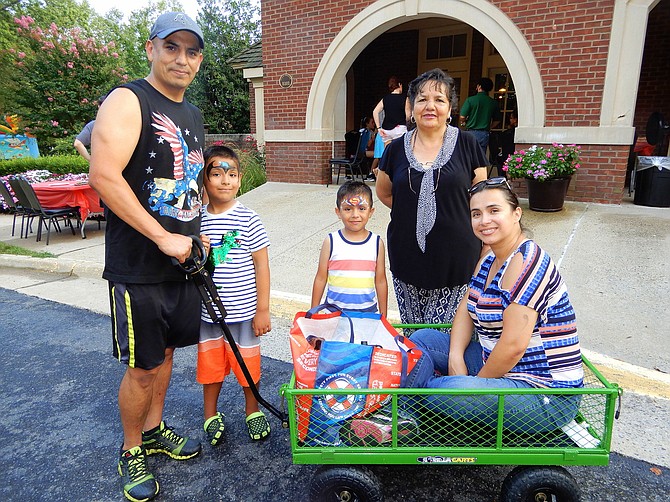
(412,119)
(449,120)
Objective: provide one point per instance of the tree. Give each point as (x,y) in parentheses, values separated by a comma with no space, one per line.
(220,91)
(132,35)
(8,38)
(62,74)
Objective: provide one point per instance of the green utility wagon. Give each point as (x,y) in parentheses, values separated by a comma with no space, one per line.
(441,440)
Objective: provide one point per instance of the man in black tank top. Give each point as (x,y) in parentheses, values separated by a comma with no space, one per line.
(146,165)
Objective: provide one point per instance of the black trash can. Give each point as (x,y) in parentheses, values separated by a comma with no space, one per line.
(652,182)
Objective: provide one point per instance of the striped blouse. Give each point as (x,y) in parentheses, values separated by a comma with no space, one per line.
(351,273)
(553,357)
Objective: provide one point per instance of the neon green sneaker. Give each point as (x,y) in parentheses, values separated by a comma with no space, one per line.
(167,441)
(214,428)
(139,484)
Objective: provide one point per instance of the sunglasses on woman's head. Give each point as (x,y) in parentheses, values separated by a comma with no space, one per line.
(499,181)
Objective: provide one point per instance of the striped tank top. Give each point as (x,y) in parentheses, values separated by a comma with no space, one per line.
(351,273)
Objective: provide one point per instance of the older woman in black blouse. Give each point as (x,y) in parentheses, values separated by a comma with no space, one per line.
(424,178)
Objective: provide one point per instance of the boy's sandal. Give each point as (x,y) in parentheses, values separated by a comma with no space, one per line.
(214,428)
(258,426)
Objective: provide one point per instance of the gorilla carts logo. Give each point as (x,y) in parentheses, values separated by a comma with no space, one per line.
(340,406)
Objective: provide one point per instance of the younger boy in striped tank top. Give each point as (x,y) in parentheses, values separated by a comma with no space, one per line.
(351,263)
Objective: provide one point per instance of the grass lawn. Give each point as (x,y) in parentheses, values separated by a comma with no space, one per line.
(9,249)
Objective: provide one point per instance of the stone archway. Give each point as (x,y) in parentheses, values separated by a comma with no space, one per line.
(323,115)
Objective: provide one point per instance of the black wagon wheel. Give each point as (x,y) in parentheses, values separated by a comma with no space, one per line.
(539,484)
(345,484)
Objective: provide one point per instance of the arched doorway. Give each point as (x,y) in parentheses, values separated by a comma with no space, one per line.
(326,115)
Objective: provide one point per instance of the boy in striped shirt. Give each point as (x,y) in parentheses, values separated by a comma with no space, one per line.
(238,262)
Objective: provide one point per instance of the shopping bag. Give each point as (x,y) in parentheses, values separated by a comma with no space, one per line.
(344,350)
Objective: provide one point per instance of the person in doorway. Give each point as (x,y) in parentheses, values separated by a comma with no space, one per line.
(83,140)
(481,112)
(396,112)
(368,133)
(240,268)
(351,263)
(147,165)
(424,178)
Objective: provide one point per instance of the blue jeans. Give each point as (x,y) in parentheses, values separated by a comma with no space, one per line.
(523,413)
(482,138)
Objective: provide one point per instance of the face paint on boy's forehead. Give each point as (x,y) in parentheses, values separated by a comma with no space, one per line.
(356,201)
(224,165)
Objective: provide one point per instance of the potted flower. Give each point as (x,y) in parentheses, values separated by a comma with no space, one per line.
(547,172)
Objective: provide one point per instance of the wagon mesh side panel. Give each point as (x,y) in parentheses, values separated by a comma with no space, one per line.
(407,424)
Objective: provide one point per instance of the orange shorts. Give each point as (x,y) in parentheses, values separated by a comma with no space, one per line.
(216,358)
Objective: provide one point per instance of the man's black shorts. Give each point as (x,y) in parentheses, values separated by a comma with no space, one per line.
(148,318)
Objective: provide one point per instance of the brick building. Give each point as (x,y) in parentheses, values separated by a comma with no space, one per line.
(585,72)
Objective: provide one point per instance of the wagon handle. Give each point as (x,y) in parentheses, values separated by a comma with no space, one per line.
(196,259)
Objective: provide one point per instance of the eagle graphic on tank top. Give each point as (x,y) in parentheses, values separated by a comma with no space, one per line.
(176,197)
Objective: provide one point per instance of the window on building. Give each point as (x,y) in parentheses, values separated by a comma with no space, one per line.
(504,93)
(447,46)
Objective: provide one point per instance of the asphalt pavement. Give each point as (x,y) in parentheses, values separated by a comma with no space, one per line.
(613,258)
(61,432)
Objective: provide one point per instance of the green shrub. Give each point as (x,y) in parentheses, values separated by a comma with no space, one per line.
(58,164)
(253,167)
(252,161)
(62,146)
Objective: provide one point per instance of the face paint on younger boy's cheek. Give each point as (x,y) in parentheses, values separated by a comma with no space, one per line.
(356,201)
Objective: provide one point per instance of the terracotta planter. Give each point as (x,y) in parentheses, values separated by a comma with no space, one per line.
(547,196)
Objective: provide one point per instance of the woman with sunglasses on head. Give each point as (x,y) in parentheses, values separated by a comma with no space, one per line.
(424,178)
(519,305)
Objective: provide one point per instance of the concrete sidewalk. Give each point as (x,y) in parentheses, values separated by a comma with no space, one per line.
(613,259)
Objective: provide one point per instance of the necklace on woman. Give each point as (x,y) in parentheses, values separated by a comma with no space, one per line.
(427,166)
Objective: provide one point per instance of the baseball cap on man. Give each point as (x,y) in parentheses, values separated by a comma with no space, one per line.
(170,22)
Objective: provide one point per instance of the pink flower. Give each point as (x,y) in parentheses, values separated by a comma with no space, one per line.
(54,123)
(50,98)
(84,101)
(70,64)
(21,55)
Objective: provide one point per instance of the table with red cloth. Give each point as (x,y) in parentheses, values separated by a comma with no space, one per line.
(643,148)
(69,193)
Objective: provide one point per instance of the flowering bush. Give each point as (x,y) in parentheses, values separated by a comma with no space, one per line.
(538,163)
(61,75)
